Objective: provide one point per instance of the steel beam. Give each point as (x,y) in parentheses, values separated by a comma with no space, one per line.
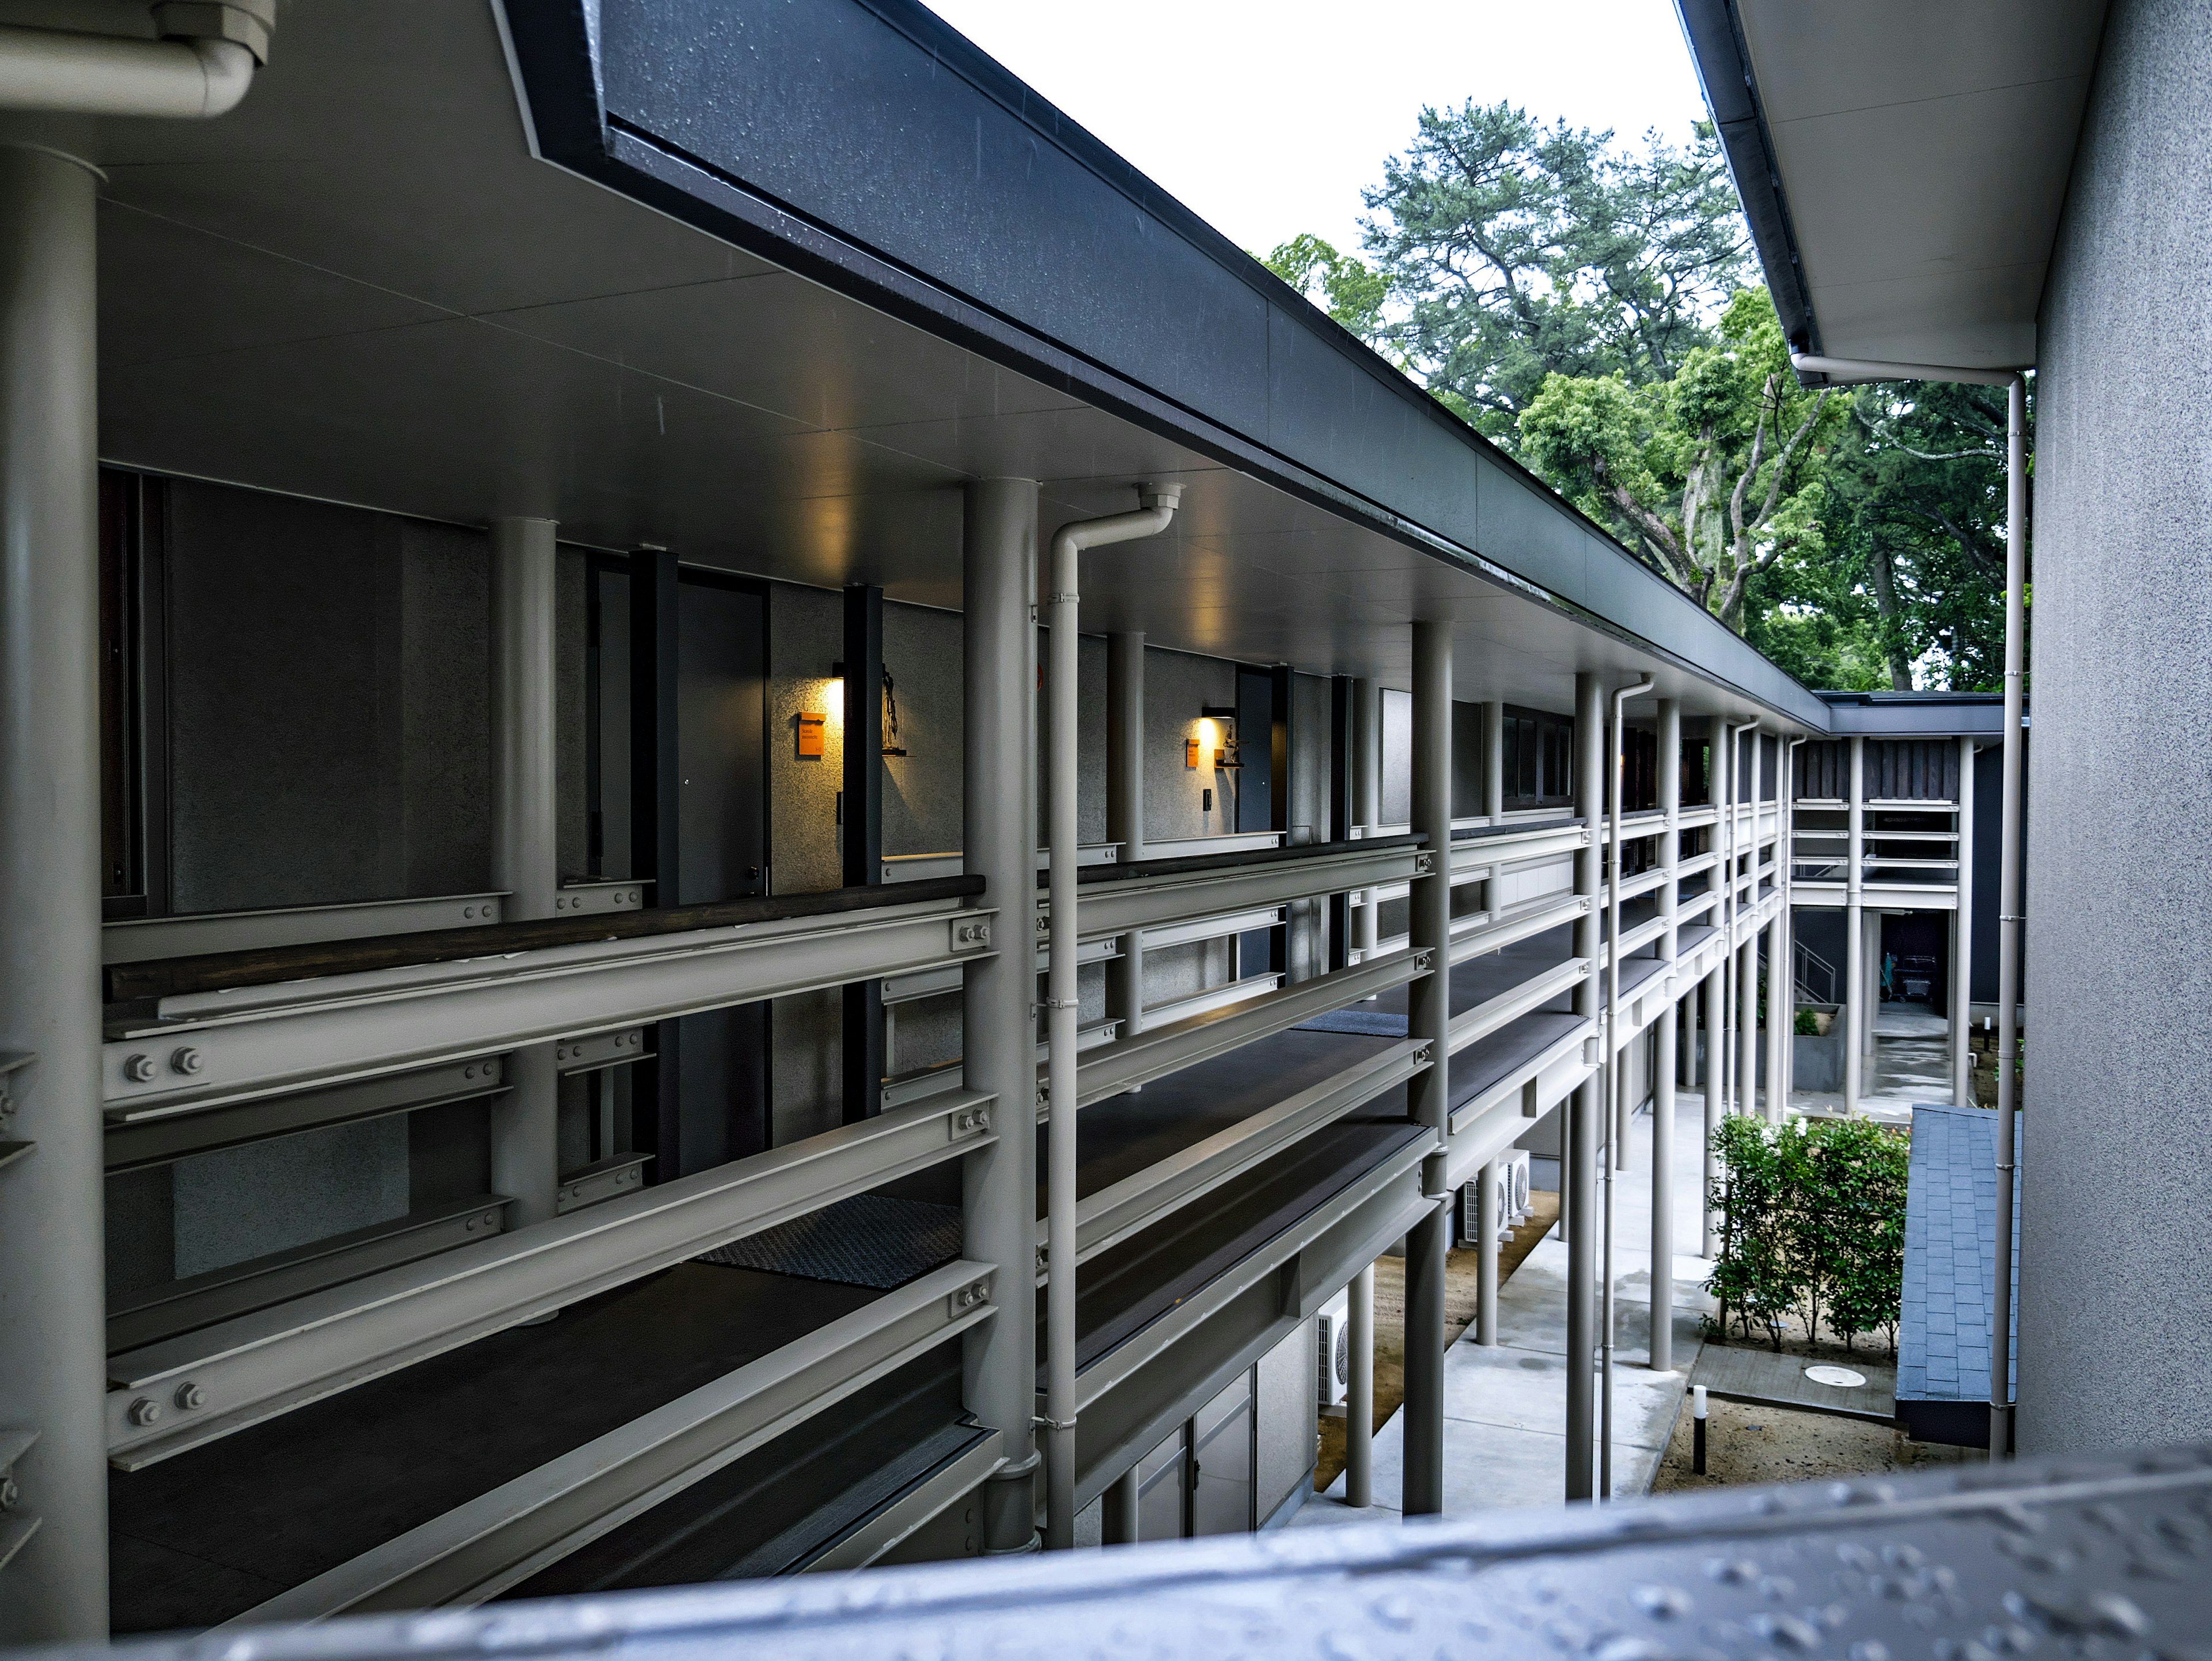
(267,1363)
(211,1048)
(1104,908)
(1158,1051)
(936,1493)
(478,1550)
(1114,1213)
(1156,1340)
(1488,1016)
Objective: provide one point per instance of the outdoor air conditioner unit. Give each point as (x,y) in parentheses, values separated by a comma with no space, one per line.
(1511,1169)
(1333,1340)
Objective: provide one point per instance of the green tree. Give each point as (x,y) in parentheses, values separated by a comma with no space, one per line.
(1918,489)
(1512,252)
(1715,474)
(1337,282)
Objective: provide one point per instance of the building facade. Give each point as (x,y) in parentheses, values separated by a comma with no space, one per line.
(753,824)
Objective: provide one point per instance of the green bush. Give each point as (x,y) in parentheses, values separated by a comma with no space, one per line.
(1812,1226)
(1809,1025)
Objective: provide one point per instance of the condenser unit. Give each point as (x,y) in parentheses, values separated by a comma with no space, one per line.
(1511,1172)
(1332,1341)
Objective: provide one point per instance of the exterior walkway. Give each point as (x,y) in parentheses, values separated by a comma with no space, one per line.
(1911,1064)
(1505,1407)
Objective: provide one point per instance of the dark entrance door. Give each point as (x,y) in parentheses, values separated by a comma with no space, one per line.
(721,668)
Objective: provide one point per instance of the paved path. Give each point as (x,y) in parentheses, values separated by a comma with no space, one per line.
(1911,1064)
(1505,1407)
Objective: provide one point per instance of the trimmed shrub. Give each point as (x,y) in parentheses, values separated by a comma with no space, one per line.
(1812,1226)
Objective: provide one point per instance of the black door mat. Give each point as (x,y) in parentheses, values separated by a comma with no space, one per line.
(868,1240)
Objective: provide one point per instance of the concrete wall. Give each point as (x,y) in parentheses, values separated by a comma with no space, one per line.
(330,716)
(2115,1270)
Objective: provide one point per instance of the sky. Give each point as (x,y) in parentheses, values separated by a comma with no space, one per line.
(1266,116)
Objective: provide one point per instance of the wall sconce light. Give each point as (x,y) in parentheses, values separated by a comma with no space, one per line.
(1224,754)
(890,705)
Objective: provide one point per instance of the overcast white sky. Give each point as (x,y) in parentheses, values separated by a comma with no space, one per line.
(1267,116)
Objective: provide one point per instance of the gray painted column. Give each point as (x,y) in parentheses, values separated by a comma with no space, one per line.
(1856,1024)
(1125,811)
(1359,1393)
(1715,1000)
(1962,939)
(1578,1147)
(1367,793)
(1429,1097)
(1001,790)
(53,1372)
(1747,1026)
(1664,1063)
(1487,1224)
(1493,760)
(525,1122)
(1777,1020)
(1119,1509)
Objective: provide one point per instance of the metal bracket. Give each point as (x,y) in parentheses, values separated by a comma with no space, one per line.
(1041,1422)
(11,1062)
(977,933)
(14,1444)
(969,1121)
(974,1295)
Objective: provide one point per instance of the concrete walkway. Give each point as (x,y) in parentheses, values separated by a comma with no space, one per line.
(1505,1407)
(1911,1063)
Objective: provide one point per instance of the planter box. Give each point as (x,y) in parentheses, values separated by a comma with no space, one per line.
(1815,1063)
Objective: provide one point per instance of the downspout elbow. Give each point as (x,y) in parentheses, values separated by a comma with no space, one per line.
(201,67)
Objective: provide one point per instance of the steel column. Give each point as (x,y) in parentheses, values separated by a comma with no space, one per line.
(1665,1061)
(526,1123)
(1746,984)
(1962,939)
(1367,792)
(1720,787)
(1119,1508)
(1856,1021)
(1578,1147)
(1429,1096)
(52,1371)
(655,798)
(999,589)
(1487,1223)
(863,1062)
(2008,912)
(1493,760)
(1125,812)
(1359,1393)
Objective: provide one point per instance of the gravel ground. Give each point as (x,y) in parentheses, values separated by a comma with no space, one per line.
(1748,1444)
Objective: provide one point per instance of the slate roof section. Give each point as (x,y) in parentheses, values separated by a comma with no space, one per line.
(1950,1275)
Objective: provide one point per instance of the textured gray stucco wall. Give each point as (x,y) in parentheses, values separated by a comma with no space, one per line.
(330,715)
(2116,1267)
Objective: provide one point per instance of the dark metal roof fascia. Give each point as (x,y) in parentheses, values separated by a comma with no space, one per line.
(1915,714)
(1715,35)
(1361,417)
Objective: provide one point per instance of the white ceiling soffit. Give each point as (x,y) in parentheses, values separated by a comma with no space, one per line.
(1922,149)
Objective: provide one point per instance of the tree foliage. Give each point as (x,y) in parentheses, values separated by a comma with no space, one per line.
(1339,283)
(1512,250)
(1716,473)
(1582,302)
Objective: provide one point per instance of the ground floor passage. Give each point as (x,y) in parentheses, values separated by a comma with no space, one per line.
(1506,1405)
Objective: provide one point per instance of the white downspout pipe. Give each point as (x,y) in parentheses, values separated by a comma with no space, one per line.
(1158,511)
(1738,1094)
(2008,913)
(203,66)
(1610,1158)
(1789,852)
